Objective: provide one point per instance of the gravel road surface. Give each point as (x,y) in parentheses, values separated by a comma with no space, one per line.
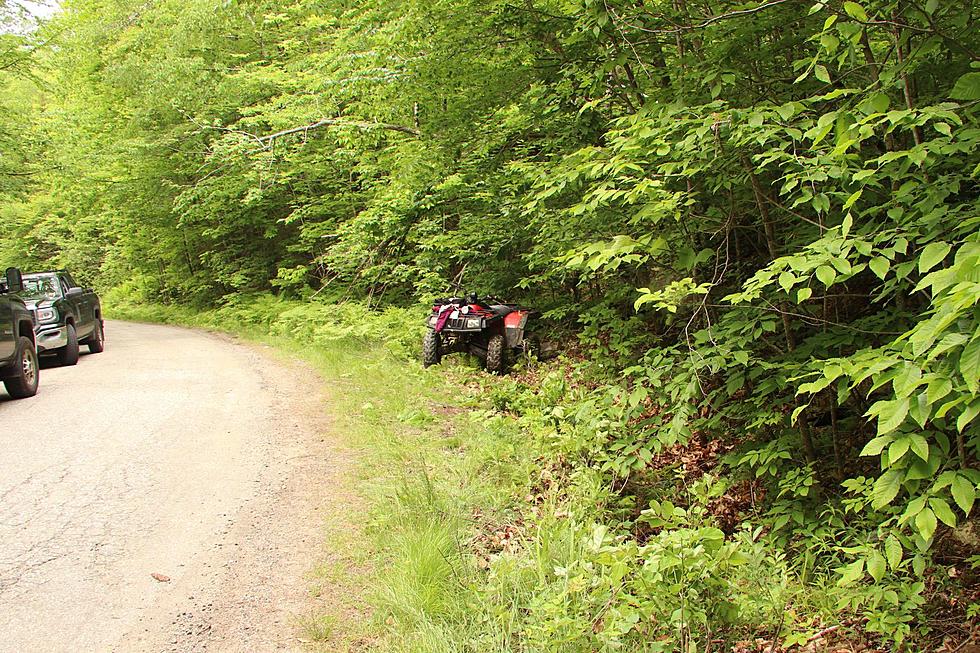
(176,453)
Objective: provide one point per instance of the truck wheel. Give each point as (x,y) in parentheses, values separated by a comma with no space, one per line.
(96,341)
(496,355)
(25,374)
(68,355)
(431,345)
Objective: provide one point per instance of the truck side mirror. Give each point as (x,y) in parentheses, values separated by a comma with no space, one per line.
(75,291)
(15,280)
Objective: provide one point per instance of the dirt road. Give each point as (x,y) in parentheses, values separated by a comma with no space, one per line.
(174,453)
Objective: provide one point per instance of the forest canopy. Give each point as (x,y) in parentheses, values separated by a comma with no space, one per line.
(760,221)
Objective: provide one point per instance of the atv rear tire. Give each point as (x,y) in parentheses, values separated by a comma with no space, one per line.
(497,355)
(532,347)
(431,348)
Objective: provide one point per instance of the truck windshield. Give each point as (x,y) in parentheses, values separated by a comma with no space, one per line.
(40,288)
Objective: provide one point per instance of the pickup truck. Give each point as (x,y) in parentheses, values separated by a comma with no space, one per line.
(65,315)
(18,355)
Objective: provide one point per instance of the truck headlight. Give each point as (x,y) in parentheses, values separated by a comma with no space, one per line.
(47,315)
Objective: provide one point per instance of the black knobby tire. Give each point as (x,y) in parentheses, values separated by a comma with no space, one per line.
(497,355)
(68,355)
(532,346)
(25,374)
(431,348)
(96,341)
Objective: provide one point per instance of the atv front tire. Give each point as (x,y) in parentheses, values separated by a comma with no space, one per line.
(431,346)
(496,355)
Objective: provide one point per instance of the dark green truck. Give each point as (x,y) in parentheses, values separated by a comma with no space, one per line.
(65,315)
(18,352)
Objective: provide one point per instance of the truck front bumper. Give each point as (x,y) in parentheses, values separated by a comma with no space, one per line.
(50,338)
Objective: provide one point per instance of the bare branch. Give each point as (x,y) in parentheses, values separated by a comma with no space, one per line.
(334,122)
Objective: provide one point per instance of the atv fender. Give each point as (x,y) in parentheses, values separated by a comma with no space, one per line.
(514,325)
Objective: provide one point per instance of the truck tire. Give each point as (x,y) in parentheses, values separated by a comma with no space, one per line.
(96,341)
(431,346)
(25,374)
(68,355)
(496,355)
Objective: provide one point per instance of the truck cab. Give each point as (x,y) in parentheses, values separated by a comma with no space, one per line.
(18,353)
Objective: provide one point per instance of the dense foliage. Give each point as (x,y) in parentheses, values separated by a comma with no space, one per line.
(760,219)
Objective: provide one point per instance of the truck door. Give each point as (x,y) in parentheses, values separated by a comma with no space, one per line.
(85,306)
(8,342)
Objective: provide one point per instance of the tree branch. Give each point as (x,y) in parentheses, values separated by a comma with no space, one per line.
(331,122)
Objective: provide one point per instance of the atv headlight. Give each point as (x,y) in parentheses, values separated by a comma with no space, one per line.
(474,323)
(432,320)
(47,315)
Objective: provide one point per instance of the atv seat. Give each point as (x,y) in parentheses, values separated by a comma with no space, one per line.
(502,309)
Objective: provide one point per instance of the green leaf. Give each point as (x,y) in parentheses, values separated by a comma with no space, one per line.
(912,509)
(891,414)
(898,449)
(919,446)
(842,264)
(967,87)
(970,364)
(893,551)
(879,265)
(877,566)
(851,573)
(925,523)
(943,511)
(968,415)
(820,72)
(803,294)
(886,488)
(786,280)
(932,255)
(829,42)
(876,446)
(907,380)
(796,413)
(918,565)
(786,111)
(856,11)
(964,493)
(938,389)
(826,274)
(855,196)
(878,103)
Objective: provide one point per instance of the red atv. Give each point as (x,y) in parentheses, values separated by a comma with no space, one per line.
(487,328)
